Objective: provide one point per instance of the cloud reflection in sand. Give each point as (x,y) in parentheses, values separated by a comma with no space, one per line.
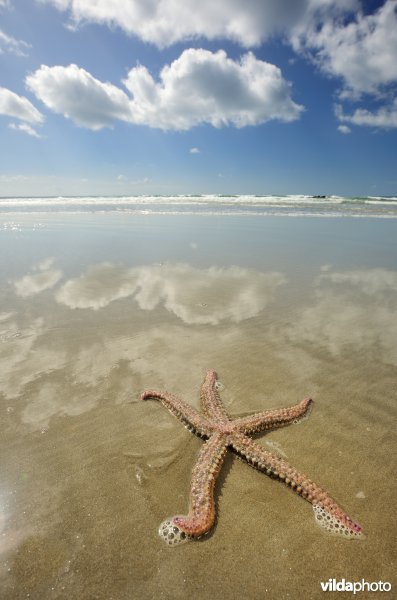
(354,310)
(22,356)
(119,367)
(44,278)
(197,296)
(371,282)
(56,399)
(68,374)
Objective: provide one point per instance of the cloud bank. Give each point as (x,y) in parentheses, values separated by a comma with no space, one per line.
(166,22)
(198,87)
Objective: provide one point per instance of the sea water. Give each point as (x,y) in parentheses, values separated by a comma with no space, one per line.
(212,204)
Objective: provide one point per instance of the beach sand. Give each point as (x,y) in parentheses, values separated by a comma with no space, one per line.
(97,307)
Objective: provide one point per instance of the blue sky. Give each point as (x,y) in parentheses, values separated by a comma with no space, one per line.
(237,96)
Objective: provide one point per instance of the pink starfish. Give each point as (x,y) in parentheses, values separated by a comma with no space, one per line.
(221,434)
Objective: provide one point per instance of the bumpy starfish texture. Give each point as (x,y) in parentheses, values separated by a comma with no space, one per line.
(221,434)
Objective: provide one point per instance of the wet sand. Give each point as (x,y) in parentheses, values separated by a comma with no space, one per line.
(96,308)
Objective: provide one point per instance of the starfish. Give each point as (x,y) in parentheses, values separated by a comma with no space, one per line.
(222,433)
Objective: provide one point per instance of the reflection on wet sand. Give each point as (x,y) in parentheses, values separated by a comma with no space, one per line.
(197,296)
(22,356)
(44,278)
(92,474)
(351,311)
(55,399)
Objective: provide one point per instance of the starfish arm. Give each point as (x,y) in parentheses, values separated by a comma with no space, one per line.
(273,419)
(328,513)
(201,515)
(190,417)
(211,402)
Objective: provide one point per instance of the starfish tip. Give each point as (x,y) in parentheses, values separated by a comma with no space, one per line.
(335,526)
(171,534)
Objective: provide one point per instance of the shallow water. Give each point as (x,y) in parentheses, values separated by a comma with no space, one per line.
(96,308)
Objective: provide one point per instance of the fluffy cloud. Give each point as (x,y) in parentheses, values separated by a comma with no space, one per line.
(197,296)
(384,117)
(359,48)
(165,22)
(344,129)
(198,87)
(362,52)
(206,87)
(12,105)
(77,95)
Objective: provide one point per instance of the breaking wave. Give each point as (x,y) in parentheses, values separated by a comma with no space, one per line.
(210,204)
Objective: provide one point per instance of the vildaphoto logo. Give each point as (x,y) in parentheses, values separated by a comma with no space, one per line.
(332,585)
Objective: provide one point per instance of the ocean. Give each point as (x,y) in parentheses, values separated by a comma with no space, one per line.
(212,204)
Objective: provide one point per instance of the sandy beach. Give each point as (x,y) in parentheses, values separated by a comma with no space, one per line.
(96,308)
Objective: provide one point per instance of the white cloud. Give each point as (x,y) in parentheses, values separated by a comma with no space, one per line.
(77,95)
(362,52)
(12,45)
(345,42)
(358,49)
(344,129)
(165,22)
(168,21)
(198,87)
(384,117)
(206,87)
(195,150)
(25,128)
(197,296)
(12,105)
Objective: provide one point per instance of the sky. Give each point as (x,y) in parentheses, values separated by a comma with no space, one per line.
(134,97)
